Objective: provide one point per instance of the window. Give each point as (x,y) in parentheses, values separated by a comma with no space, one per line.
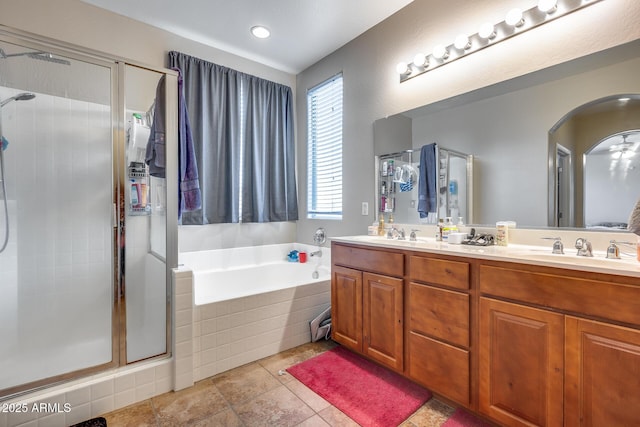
(324,150)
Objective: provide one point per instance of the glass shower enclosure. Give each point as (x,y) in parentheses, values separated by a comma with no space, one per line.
(69,231)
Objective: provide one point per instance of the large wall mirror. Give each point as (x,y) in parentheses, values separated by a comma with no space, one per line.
(521,132)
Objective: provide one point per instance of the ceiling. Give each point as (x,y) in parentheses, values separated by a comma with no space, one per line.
(302,31)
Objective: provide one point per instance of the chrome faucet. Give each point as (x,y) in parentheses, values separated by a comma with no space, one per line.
(613,252)
(401,235)
(391,233)
(558,247)
(412,236)
(584,247)
(394,233)
(317,253)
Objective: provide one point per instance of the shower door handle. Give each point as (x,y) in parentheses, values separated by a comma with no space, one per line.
(114,216)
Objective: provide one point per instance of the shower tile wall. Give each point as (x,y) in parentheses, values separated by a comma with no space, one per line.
(59,184)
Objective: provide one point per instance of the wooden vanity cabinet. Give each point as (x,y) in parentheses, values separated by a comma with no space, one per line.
(521,364)
(439,326)
(602,382)
(551,353)
(523,345)
(367,306)
(346,307)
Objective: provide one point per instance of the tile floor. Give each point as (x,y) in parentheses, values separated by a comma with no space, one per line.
(256,395)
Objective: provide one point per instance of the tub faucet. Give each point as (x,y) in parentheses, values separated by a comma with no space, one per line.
(317,253)
(584,247)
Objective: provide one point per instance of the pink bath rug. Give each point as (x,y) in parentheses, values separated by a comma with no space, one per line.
(369,394)
(462,418)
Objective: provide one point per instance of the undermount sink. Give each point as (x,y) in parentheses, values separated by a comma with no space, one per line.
(595,261)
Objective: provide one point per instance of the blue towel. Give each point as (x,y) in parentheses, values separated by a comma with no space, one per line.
(189,196)
(427,180)
(155,154)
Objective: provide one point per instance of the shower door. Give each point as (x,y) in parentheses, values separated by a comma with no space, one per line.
(57,275)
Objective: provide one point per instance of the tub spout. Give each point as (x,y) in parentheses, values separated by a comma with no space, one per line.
(317,253)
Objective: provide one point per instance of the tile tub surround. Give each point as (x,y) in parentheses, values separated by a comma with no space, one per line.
(233,332)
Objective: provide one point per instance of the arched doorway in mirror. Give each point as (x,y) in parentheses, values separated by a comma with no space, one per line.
(580,143)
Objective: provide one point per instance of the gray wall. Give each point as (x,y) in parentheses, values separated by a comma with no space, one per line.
(372,89)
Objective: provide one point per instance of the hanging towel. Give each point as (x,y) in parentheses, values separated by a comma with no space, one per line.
(634,220)
(155,153)
(189,196)
(427,189)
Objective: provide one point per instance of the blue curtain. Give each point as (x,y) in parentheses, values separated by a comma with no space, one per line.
(242,128)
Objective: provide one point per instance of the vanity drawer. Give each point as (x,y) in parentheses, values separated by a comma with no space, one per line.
(454,274)
(376,261)
(609,300)
(440,367)
(439,313)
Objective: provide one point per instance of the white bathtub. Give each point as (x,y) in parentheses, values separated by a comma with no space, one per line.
(226,274)
(250,303)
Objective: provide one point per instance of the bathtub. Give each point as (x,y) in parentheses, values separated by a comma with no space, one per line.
(226,274)
(250,302)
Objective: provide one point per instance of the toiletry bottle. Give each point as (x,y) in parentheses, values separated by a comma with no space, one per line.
(502,233)
(448,225)
(134,195)
(440,229)
(460,223)
(381,226)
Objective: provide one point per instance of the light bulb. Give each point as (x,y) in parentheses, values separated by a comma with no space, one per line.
(440,52)
(487,31)
(420,60)
(260,32)
(548,6)
(514,18)
(402,68)
(462,42)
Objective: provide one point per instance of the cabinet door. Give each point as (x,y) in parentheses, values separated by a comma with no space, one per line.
(602,385)
(346,307)
(382,319)
(521,364)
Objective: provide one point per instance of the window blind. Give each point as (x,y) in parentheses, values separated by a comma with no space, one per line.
(324,148)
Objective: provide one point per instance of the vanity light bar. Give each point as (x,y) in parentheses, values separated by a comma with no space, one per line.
(516,22)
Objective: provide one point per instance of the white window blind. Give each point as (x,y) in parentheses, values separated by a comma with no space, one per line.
(324,148)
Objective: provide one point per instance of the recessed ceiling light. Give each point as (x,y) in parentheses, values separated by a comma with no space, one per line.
(260,32)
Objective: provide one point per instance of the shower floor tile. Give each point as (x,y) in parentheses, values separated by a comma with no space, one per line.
(258,394)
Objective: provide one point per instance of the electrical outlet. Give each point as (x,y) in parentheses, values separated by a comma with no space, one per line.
(365,208)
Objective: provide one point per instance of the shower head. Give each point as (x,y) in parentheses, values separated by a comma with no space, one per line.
(24,96)
(46,56)
(43,56)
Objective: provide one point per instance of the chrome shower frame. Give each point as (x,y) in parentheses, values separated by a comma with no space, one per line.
(44,49)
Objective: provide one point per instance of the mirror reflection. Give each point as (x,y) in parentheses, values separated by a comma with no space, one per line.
(593,159)
(514,131)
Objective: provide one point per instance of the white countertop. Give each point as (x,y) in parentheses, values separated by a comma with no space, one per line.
(526,254)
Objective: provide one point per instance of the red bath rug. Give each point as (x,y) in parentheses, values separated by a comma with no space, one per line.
(461,418)
(369,394)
